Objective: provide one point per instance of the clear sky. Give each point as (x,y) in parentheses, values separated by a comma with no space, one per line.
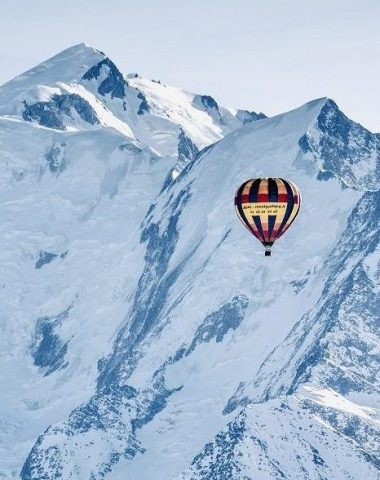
(265,55)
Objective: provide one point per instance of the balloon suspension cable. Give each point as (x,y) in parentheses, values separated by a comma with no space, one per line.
(268,252)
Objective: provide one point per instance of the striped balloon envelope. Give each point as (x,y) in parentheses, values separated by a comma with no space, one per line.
(267,207)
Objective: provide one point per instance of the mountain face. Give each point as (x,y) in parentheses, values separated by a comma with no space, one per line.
(81,88)
(145,335)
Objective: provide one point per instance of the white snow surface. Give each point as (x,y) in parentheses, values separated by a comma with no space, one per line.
(65,67)
(117,278)
(170,109)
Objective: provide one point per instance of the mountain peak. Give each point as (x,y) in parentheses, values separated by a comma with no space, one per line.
(82,48)
(120,221)
(67,66)
(345,148)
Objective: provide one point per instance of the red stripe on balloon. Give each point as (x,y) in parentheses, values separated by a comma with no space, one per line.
(282,197)
(263,197)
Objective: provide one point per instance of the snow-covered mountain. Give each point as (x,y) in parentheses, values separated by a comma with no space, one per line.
(145,335)
(81,88)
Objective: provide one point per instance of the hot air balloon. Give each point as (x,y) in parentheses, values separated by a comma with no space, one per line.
(267,207)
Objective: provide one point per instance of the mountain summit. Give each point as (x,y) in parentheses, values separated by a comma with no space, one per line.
(145,335)
(81,88)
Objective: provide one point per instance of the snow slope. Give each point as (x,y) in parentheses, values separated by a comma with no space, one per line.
(82,88)
(146,336)
(50,198)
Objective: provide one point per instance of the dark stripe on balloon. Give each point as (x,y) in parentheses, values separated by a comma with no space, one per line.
(289,207)
(271,223)
(288,225)
(239,193)
(253,194)
(242,216)
(255,231)
(259,227)
(272,190)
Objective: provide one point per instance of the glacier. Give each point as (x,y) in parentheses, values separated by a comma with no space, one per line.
(145,335)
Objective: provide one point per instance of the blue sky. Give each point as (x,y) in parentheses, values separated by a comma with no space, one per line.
(266,55)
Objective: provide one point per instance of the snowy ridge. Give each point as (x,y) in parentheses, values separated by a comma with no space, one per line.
(65,67)
(303,447)
(82,88)
(146,335)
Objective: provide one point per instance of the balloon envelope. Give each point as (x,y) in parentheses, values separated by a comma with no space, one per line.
(267,207)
